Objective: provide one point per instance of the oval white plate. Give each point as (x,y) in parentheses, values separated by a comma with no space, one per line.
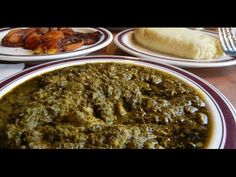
(23,55)
(124,41)
(224,115)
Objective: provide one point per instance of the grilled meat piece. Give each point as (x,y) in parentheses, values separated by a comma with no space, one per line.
(89,38)
(51,42)
(16,37)
(68,31)
(73,46)
(33,41)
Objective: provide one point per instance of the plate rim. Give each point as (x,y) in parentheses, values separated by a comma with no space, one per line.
(118,40)
(227,108)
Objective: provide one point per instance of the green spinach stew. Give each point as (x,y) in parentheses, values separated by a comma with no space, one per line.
(106,106)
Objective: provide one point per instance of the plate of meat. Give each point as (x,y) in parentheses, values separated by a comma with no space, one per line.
(43,44)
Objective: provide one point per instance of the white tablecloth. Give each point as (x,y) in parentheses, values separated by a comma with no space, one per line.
(10,69)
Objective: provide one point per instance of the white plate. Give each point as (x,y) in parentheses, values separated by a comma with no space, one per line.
(124,41)
(223,113)
(23,55)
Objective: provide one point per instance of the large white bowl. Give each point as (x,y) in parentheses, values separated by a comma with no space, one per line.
(223,134)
